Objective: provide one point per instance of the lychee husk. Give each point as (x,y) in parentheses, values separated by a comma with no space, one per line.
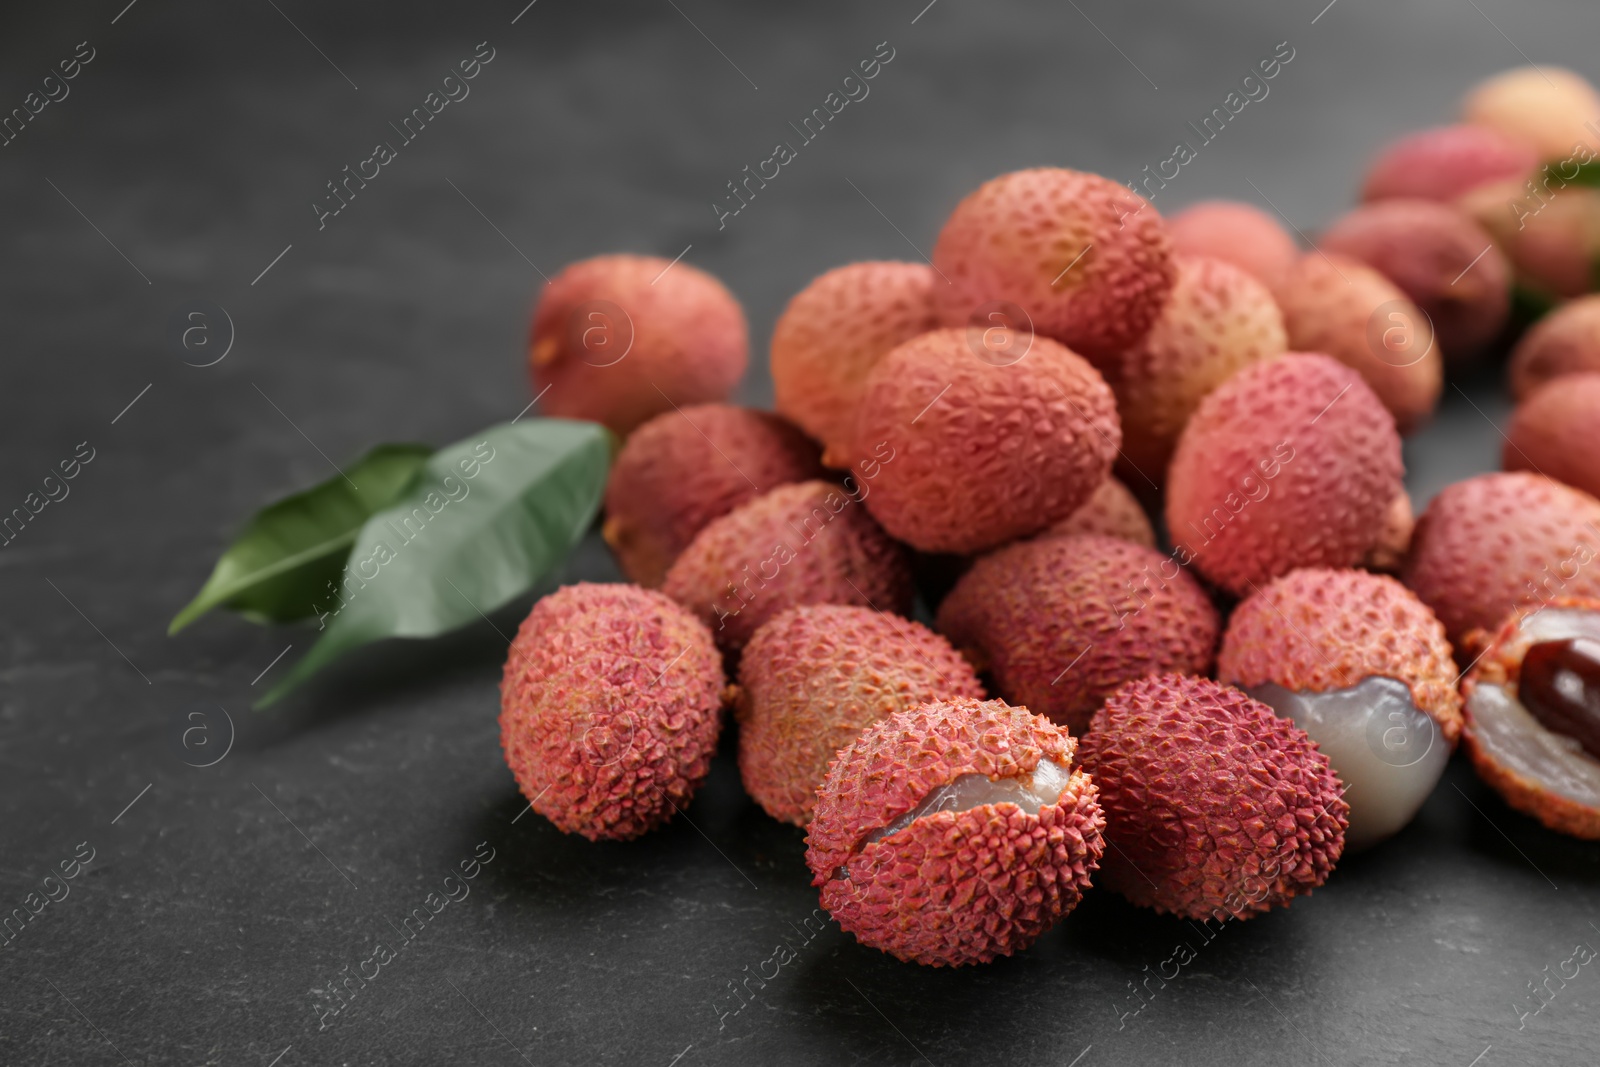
(1237,233)
(1556,432)
(814,677)
(1113,511)
(1446,162)
(952,887)
(1566,341)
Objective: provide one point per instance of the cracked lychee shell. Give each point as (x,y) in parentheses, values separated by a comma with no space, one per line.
(954,832)
(1215,807)
(814,677)
(610,706)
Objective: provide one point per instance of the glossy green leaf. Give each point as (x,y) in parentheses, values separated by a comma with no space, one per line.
(1588,174)
(287,554)
(485,519)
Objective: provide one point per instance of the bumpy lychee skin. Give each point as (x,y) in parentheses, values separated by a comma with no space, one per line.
(1060,623)
(1556,431)
(684,468)
(1495,541)
(610,707)
(814,677)
(1218,320)
(1438,257)
(953,887)
(959,454)
(1237,233)
(1216,807)
(1086,259)
(1446,162)
(1290,463)
(807,543)
(1112,511)
(1537,770)
(835,330)
(1548,107)
(1344,308)
(619,339)
(1567,341)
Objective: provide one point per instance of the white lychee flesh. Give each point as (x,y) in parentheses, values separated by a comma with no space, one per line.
(1388,752)
(975,790)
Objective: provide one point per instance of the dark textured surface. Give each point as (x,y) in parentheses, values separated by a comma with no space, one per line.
(196,141)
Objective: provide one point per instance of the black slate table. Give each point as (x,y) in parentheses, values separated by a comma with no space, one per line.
(185,166)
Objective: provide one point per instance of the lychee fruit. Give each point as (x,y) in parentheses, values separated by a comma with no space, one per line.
(1566,341)
(1363,667)
(1215,808)
(1554,110)
(1218,320)
(960,454)
(1548,228)
(806,543)
(1446,162)
(618,339)
(1112,511)
(1556,431)
(1289,463)
(1342,307)
(1086,260)
(1495,541)
(1439,258)
(610,707)
(1237,233)
(954,832)
(1060,623)
(1533,715)
(814,677)
(1394,541)
(835,330)
(684,468)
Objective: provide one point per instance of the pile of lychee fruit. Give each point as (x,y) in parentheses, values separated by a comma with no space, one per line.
(1203,722)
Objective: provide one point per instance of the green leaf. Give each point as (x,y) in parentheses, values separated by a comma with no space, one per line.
(1529,305)
(289,552)
(1588,174)
(485,520)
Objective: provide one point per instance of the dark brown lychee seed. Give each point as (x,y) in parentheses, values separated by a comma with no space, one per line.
(1560,685)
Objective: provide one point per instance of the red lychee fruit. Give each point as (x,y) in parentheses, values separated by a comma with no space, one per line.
(1237,233)
(1439,258)
(1394,541)
(1495,541)
(684,468)
(618,339)
(1215,807)
(1548,228)
(1112,511)
(1552,109)
(807,543)
(1567,341)
(835,330)
(1446,162)
(1289,463)
(1087,261)
(610,707)
(1218,320)
(1363,667)
(814,677)
(1344,308)
(959,454)
(1556,432)
(955,832)
(1060,623)
(1533,715)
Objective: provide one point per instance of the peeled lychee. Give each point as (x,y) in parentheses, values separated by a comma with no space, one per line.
(618,339)
(1446,162)
(1086,260)
(1556,432)
(1566,341)
(1495,541)
(807,543)
(1215,807)
(1289,463)
(1439,258)
(1218,320)
(959,454)
(1061,622)
(1363,667)
(1237,233)
(1533,715)
(1552,109)
(1342,307)
(1112,511)
(835,330)
(814,677)
(684,468)
(610,707)
(954,832)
